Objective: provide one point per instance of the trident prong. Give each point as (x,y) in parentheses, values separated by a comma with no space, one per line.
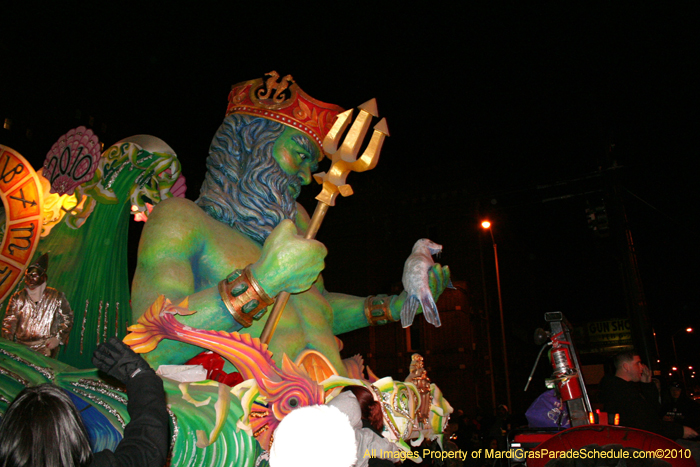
(370,157)
(358,130)
(343,162)
(330,142)
(334,181)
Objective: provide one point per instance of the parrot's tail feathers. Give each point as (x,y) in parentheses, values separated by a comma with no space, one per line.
(408,311)
(430,310)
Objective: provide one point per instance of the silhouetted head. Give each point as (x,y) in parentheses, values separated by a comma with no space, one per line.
(676,389)
(628,366)
(42,428)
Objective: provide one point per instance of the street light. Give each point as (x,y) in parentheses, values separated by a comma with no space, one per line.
(488,327)
(487,226)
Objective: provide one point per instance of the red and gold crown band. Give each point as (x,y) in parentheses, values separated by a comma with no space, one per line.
(284,101)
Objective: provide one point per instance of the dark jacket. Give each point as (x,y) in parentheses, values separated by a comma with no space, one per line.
(638,406)
(682,410)
(147,436)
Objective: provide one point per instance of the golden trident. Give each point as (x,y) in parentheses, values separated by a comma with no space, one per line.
(344,161)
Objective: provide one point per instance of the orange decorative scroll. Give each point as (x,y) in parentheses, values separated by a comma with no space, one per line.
(20,191)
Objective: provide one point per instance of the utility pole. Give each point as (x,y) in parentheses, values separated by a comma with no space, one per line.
(637,309)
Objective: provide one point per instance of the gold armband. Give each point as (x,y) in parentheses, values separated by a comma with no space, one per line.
(377,310)
(243,296)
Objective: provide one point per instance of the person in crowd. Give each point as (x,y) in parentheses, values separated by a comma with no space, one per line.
(631,394)
(676,406)
(38,316)
(365,414)
(499,426)
(42,427)
(449,445)
(313,436)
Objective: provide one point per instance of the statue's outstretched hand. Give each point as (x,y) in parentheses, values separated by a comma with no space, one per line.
(439,280)
(52,343)
(118,360)
(288,261)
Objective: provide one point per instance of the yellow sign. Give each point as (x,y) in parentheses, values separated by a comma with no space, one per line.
(611,330)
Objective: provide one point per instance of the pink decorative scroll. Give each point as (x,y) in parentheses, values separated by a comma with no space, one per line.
(72,160)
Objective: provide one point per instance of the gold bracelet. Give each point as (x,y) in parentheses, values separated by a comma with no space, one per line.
(243,296)
(377,310)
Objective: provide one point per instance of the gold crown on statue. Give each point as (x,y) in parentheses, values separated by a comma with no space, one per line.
(284,101)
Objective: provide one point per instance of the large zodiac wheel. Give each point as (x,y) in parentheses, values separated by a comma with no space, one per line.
(21,195)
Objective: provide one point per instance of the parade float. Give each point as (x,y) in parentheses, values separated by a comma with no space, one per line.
(77,209)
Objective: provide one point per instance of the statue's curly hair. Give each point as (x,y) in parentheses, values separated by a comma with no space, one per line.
(244,186)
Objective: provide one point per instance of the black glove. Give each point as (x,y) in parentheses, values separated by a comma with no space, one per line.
(116,359)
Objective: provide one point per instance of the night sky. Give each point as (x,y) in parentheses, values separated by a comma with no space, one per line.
(516,109)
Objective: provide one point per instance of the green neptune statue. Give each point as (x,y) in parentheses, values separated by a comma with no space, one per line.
(241,243)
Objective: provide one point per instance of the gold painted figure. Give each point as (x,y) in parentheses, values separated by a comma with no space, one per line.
(419,376)
(38,316)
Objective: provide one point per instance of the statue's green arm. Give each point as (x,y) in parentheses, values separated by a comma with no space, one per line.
(178,258)
(166,266)
(349,311)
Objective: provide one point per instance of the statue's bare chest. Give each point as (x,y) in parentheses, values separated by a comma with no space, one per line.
(221,252)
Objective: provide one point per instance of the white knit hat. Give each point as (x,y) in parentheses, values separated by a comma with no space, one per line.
(314,436)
